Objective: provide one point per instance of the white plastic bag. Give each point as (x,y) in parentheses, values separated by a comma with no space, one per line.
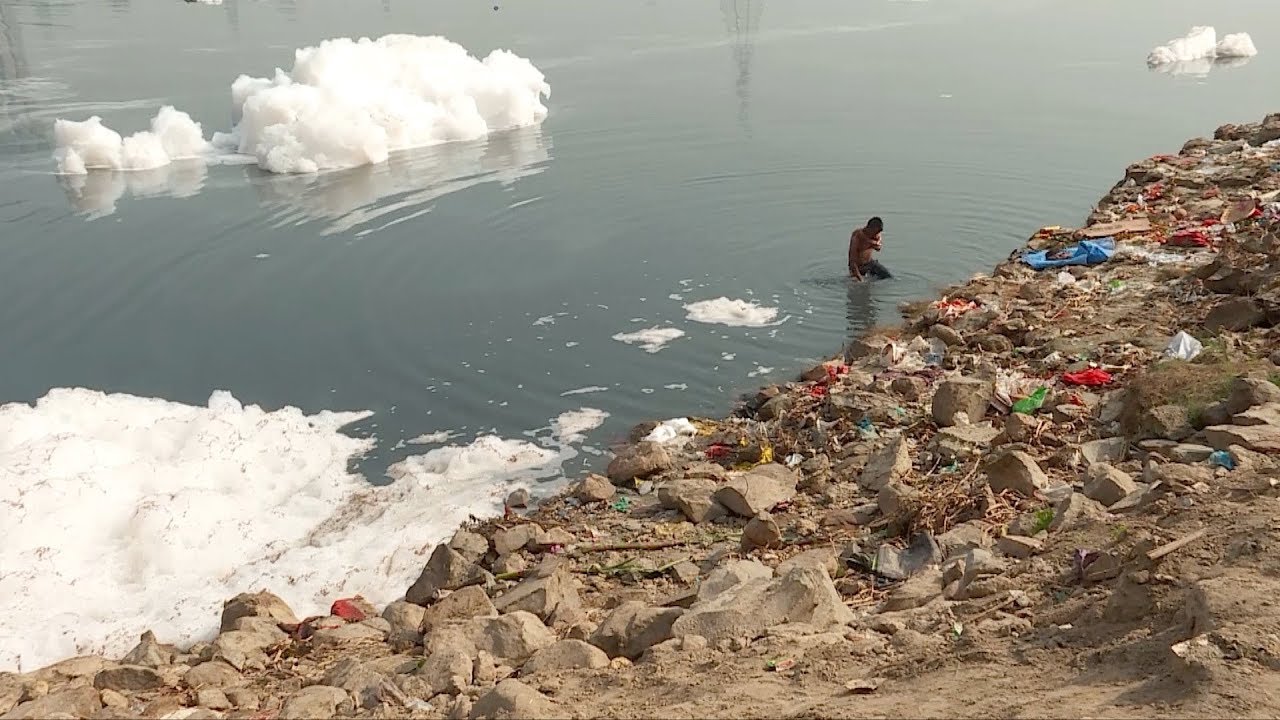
(1183,347)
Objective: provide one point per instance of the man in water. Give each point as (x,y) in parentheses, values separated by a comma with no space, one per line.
(862,244)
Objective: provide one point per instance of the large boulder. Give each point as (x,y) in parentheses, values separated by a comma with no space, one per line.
(445,570)
(129,678)
(447,670)
(1016,471)
(77,702)
(516,537)
(803,595)
(362,680)
(634,627)
(513,700)
(888,464)
(464,604)
(261,604)
(1169,422)
(639,461)
(594,489)
(554,599)
(693,498)
(513,637)
(405,619)
(758,490)
(470,545)
(566,655)
(1247,392)
(215,673)
(961,395)
(1258,438)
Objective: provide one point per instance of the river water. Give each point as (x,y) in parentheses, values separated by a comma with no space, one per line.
(693,150)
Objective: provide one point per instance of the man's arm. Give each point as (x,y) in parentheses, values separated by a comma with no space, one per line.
(854,242)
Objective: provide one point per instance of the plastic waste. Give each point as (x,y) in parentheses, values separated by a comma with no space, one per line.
(936,352)
(622,504)
(1183,347)
(1033,402)
(1222,458)
(794,460)
(867,430)
(671,430)
(1093,377)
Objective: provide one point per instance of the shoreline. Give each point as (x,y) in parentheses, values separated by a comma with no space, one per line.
(911,510)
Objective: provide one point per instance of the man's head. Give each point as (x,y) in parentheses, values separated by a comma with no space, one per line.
(875,226)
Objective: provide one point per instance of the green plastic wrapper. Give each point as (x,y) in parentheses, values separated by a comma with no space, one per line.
(1028,405)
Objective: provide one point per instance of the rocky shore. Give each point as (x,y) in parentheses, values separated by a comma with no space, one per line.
(1033,498)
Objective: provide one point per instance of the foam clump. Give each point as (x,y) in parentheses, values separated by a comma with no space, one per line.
(124,513)
(343,104)
(651,340)
(89,145)
(736,313)
(572,426)
(1201,43)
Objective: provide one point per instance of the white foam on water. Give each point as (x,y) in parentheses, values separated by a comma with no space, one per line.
(438,437)
(584,390)
(1198,43)
(676,386)
(651,339)
(737,313)
(572,426)
(760,370)
(343,104)
(1236,45)
(123,514)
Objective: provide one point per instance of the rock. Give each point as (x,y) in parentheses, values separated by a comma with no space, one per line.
(512,699)
(733,572)
(1167,421)
(243,648)
(129,678)
(1016,471)
(977,564)
(549,539)
(243,698)
(761,532)
(1258,438)
(1268,414)
(516,538)
(895,499)
(512,637)
(262,604)
(553,599)
(264,629)
(360,679)
(1109,450)
(594,488)
(1075,512)
(406,624)
(317,702)
(470,545)
(960,539)
(113,700)
(513,563)
(214,673)
(899,564)
(909,388)
(1188,453)
(826,559)
(76,702)
(448,670)
(445,570)
(918,591)
(803,595)
(685,572)
(213,698)
(1174,475)
(148,652)
(374,629)
(961,395)
(566,655)
(947,334)
(757,491)
(634,627)
(1234,315)
(1018,546)
(1019,427)
(693,498)
(638,461)
(775,407)
(890,463)
(1108,485)
(996,344)
(963,441)
(463,604)
(518,498)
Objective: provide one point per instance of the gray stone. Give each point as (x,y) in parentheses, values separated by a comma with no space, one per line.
(405,619)
(149,653)
(896,498)
(1019,546)
(775,407)
(463,604)
(947,334)
(826,559)
(1176,474)
(634,627)
(963,441)
(803,595)
(910,388)
(1188,453)
(214,673)
(566,655)
(1109,450)
(318,702)
(1235,315)
(213,698)
(917,591)
(549,539)
(553,599)
(266,630)
(77,702)
(448,670)
(518,498)
(445,570)
(1019,427)
(733,572)
(1258,438)
(961,395)
(512,700)
(516,538)
(757,491)
(692,497)
(262,604)
(129,678)
(113,700)
(375,629)
(1075,512)
(901,563)
(888,464)
(960,539)
(594,488)
(1268,414)
(1016,471)
(470,545)
(761,532)
(1170,422)
(359,679)
(639,461)
(1108,485)
(977,564)
(512,637)
(243,698)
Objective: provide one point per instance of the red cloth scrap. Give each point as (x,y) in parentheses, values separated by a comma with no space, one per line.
(1092,377)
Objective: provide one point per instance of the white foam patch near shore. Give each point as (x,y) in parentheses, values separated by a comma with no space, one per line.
(1201,44)
(123,514)
(736,313)
(344,103)
(573,426)
(651,340)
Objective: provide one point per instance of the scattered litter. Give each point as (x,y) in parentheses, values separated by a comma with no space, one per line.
(672,430)
(622,504)
(1183,347)
(780,665)
(1223,459)
(1031,403)
(794,460)
(1087,252)
(953,307)
(1093,377)
(348,609)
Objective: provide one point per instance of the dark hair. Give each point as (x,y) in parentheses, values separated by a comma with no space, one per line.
(875,224)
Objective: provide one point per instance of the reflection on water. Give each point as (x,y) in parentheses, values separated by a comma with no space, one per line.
(1201,67)
(379,196)
(860,307)
(742,21)
(97,193)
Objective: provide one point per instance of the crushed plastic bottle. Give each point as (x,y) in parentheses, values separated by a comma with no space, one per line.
(1033,402)
(1222,458)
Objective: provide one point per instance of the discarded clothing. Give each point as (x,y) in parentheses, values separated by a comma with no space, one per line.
(1190,238)
(1092,377)
(1088,252)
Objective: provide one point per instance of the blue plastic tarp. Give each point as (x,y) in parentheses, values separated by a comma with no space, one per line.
(1088,252)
